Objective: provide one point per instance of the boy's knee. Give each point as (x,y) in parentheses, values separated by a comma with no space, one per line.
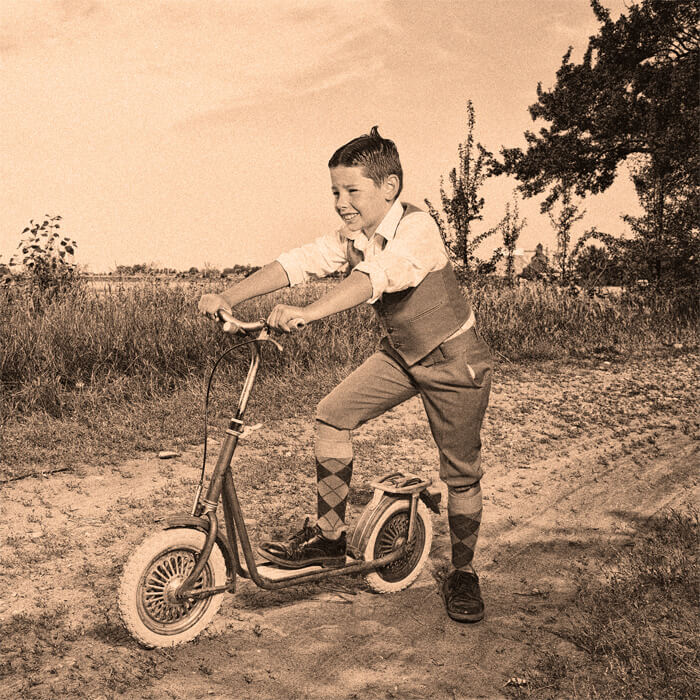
(329,412)
(464,489)
(329,433)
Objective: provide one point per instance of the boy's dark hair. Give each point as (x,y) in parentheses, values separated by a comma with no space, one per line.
(378,156)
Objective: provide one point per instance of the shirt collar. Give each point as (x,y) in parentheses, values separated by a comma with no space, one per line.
(387,226)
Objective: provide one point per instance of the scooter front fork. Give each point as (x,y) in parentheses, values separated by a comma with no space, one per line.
(212,532)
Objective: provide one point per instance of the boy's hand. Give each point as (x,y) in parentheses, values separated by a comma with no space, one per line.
(288,318)
(209,305)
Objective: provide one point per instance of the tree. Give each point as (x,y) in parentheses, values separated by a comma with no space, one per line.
(464,205)
(562,222)
(511,225)
(635,92)
(666,248)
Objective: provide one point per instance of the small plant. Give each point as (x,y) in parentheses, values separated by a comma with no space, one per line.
(562,222)
(511,226)
(46,259)
(463,207)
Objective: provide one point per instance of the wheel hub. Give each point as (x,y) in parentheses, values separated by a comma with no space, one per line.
(393,535)
(170,591)
(161,583)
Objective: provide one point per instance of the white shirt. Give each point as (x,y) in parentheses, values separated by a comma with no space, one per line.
(402,251)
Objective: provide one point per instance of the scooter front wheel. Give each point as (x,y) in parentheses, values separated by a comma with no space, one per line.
(388,534)
(147,602)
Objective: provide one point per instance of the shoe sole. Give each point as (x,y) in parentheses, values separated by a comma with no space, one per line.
(327,563)
(461,617)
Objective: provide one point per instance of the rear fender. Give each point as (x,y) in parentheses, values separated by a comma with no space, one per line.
(381,500)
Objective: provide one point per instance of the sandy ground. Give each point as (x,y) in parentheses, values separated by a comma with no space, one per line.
(576,455)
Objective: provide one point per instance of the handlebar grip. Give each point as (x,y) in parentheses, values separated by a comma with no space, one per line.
(233,325)
(297,323)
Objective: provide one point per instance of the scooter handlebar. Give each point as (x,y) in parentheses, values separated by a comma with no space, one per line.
(231,324)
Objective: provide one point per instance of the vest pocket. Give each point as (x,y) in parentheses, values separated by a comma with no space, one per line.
(426,312)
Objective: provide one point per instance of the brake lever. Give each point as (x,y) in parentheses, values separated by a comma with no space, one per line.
(265,335)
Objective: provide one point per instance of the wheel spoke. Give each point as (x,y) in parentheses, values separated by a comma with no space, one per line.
(392,534)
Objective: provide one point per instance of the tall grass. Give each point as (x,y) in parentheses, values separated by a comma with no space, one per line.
(129,343)
(548,322)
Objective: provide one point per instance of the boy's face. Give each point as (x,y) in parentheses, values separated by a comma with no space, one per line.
(359,202)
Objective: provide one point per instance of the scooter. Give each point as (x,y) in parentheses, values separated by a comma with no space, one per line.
(171,585)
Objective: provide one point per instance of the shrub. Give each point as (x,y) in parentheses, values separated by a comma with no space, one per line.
(45,261)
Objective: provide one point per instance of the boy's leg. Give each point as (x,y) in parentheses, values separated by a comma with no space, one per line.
(454,384)
(377,385)
(333,472)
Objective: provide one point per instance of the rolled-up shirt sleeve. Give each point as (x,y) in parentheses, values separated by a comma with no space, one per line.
(322,257)
(415,250)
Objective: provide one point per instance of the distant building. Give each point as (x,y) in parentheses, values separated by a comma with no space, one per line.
(538,265)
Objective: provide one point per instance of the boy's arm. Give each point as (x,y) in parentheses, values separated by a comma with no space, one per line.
(267,279)
(353,290)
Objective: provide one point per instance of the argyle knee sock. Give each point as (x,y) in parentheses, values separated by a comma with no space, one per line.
(464,517)
(333,472)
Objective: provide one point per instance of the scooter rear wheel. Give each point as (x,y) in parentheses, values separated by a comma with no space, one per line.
(389,533)
(147,605)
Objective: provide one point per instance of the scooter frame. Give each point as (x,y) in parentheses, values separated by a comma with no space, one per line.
(222,488)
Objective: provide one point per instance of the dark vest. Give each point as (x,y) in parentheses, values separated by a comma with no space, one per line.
(419,318)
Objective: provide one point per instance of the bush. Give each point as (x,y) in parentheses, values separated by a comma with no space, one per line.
(45,262)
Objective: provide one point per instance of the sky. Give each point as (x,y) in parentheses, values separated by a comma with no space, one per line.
(186,133)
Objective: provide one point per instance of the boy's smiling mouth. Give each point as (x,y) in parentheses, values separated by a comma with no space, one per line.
(348,218)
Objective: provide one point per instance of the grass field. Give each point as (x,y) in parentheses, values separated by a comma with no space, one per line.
(89,368)
(133,342)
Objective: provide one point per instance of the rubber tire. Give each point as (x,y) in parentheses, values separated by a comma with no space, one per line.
(374,579)
(144,628)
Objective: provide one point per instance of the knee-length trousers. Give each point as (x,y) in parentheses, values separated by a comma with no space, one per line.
(453,381)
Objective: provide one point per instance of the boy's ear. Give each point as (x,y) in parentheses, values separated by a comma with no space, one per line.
(390,187)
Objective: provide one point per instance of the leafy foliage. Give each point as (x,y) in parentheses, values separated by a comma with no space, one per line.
(666,248)
(633,99)
(635,92)
(464,205)
(46,259)
(562,222)
(596,266)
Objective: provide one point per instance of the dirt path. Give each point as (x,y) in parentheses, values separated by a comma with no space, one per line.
(577,455)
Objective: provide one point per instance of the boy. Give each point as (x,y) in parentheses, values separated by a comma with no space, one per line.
(399,265)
